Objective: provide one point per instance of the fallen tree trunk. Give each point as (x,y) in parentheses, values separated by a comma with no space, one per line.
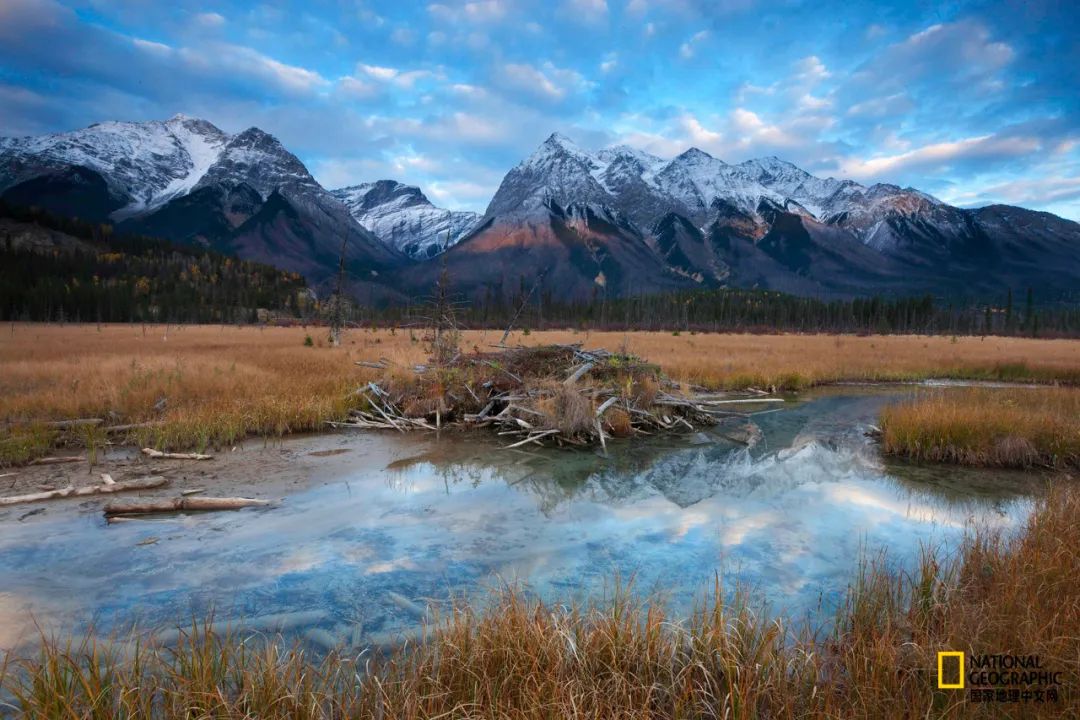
(57,460)
(130,426)
(150,452)
(72,491)
(181,504)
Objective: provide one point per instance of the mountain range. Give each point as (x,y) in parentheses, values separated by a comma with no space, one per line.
(582,223)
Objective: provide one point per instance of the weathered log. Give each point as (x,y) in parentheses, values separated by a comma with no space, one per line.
(578,373)
(606,404)
(742,400)
(376,390)
(72,491)
(158,455)
(181,504)
(57,460)
(131,426)
(532,438)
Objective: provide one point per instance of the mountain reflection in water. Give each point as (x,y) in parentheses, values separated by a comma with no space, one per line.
(360,557)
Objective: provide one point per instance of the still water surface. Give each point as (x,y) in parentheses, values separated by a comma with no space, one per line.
(355,560)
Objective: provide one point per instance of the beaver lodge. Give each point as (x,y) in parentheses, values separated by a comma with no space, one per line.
(548,395)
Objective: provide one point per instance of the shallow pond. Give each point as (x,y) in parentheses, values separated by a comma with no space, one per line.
(356,559)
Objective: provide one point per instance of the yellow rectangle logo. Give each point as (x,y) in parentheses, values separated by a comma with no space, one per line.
(959,684)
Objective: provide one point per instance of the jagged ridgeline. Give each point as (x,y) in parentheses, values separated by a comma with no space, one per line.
(54,268)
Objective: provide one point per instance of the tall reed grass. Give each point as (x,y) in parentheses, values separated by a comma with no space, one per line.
(1018,428)
(623,657)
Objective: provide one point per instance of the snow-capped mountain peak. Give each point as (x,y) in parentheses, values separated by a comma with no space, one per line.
(148,164)
(401,216)
(695,155)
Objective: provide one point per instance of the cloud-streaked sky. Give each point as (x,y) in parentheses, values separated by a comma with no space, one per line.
(974,102)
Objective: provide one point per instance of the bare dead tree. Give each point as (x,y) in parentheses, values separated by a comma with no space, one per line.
(446,335)
(521,307)
(337,308)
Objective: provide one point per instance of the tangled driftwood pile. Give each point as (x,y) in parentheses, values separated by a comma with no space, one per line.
(559,394)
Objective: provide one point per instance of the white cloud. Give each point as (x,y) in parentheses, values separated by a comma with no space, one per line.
(811,69)
(942,154)
(210,19)
(238,59)
(482,11)
(155,48)
(488,11)
(873,32)
(405,79)
(877,107)
(467,90)
(547,82)
(357,89)
(290,77)
(585,11)
(962,55)
(689,48)
(1037,191)
(746,121)
(698,134)
(812,102)
(459,194)
(403,36)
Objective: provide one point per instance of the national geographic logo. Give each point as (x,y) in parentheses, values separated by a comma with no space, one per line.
(998,678)
(950,670)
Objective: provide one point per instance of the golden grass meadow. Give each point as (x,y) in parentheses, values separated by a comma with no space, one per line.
(209,386)
(620,656)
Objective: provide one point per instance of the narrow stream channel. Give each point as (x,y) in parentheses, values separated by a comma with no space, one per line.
(355,560)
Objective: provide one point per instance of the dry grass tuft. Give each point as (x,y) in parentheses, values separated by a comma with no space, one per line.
(623,657)
(566,409)
(1019,428)
(617,422)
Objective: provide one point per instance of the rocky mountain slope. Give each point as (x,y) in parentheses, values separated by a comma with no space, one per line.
(766,223)
(403,218)
(185,180)
(577,252)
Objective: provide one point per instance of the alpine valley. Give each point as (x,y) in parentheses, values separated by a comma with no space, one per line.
(616,221)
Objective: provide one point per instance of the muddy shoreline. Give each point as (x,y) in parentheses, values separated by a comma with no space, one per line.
(269,470)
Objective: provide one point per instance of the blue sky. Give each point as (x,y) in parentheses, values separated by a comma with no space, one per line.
(974,102)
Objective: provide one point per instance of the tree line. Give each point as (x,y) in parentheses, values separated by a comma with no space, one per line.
(105,277)
(740,310)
